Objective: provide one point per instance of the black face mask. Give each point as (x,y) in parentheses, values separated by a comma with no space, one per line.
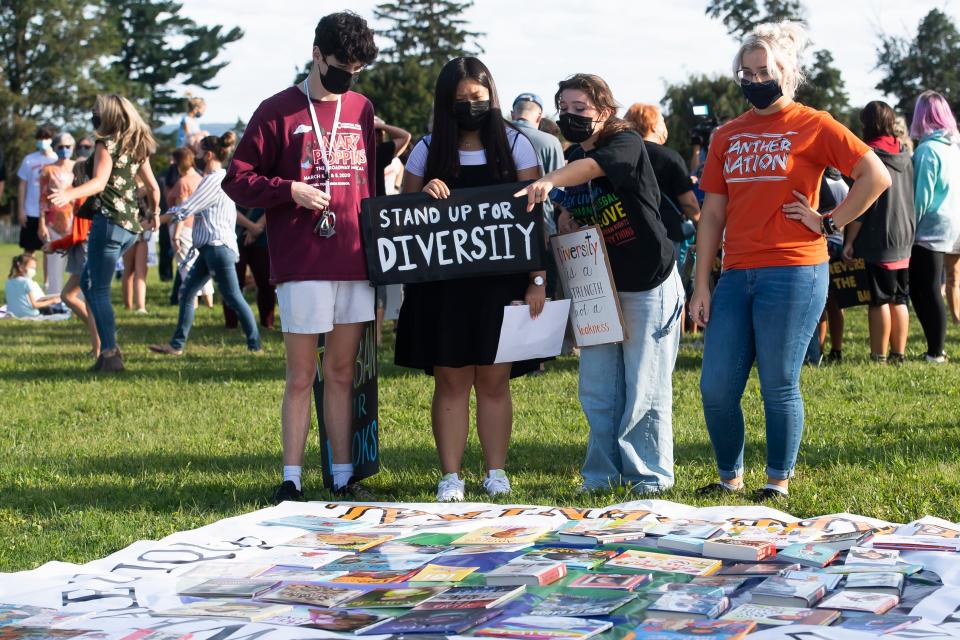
(95,121)
(336,80)
(575,128)
(471,114)
(761,94)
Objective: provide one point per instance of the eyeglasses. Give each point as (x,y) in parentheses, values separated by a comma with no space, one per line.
(748,75)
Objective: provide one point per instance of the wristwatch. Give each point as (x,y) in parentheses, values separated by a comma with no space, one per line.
(538,281)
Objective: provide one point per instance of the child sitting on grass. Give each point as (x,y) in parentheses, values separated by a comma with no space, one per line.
(25,298)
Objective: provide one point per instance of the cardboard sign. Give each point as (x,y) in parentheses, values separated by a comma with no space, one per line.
(365,438)
(849,284)
(475,232)
(587,281)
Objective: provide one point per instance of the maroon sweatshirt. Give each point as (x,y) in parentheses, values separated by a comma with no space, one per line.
(279,148)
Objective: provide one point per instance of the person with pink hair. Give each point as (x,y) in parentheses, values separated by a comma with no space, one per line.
(936,170)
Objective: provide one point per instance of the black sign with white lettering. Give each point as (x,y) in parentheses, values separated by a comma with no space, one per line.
(475,232)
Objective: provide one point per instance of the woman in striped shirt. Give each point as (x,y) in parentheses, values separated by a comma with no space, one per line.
(215,241)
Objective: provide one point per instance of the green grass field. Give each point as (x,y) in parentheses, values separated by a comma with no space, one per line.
(92,463)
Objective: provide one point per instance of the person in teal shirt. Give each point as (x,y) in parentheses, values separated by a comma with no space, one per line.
(25,298)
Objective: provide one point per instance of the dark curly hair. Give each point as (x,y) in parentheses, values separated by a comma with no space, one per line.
(346,36)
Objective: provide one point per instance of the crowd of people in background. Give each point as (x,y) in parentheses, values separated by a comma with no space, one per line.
(775,194)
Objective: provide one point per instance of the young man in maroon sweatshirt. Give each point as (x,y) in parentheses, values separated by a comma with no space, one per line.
(307,157)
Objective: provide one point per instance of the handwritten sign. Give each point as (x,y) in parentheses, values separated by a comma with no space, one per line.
(849,284)
(475,232)
(585,275)
(365,434)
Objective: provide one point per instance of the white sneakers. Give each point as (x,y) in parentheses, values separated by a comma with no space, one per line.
(496,483)
(451,486)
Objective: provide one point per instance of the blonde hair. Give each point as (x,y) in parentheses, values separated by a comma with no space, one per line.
(193,103)
(121,122)
(784,42)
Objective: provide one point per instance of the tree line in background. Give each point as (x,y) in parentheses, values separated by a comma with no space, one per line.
(55,55)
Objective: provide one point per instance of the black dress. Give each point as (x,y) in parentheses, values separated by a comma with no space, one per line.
(456,323)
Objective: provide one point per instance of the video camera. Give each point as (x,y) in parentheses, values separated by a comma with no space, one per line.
(700,135)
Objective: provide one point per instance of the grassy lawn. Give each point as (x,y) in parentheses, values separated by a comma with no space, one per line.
(92,463)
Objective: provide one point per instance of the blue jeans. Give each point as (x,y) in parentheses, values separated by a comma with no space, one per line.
(106,243)
(218,262)
(768,315)
(626,391)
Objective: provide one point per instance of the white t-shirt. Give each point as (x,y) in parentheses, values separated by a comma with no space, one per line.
(29,172)
(523,154)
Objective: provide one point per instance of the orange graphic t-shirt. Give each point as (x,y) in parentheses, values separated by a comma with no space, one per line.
(757,162)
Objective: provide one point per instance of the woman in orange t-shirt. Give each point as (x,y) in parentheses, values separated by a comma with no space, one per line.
(762,180)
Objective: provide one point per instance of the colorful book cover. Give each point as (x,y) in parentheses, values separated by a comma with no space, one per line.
(689,629)
(685,529)
(673,542)
(882,581)
(310,558)
(688,604)
(689,587)
(13,632)
(755,570)
(341,541)
(605,530)
(729,584)
(865,555)
(611,581)
(573,557)
(807,589)
(441,573)
(420,621)
(313,523)
(401,547)
(308,593)
(483,597)
(543,628)
(393,598)
(326,619)
(809,555)
(779,616)
(378,562)
(567,604)
(739,548)
(860,601)
(829,580)
(374,577)
(243,609)
(780,536)
(501,535)
(870,623)
(650,561)
(530,572)
(846,569)
(476,549)
(10,613)
(229,588)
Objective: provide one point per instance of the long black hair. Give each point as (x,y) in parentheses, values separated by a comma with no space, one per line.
(443,159)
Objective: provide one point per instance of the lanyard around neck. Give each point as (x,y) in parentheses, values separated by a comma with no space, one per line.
(324,156)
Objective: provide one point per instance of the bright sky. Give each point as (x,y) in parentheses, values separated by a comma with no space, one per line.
(638,47)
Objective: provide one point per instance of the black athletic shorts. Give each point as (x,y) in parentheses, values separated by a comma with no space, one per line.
(29,240)
(888,286)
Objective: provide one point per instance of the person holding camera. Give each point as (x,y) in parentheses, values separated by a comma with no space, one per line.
(308,157)
(762,181)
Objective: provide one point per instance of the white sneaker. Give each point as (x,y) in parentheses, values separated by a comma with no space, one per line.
(941,359)
(450,488)
(496,483)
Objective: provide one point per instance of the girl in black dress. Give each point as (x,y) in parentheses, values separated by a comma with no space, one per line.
(450,329)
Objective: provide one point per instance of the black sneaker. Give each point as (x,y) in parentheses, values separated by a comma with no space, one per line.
(287,491)
(768,495)
(835,357)
(716,489)
(353,489)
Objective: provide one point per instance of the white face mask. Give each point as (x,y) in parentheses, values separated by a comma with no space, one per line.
(31,273)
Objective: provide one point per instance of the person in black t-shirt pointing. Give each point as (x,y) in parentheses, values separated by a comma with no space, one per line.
(625,389)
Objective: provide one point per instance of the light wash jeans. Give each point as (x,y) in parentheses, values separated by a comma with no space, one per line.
(768,315)
(106,244)
(627,394)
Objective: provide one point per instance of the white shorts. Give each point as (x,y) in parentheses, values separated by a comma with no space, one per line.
(314,306)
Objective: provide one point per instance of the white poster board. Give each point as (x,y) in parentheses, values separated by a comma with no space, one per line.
(585,275)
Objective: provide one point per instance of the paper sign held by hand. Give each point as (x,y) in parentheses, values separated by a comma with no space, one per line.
(587,281)
(526,338)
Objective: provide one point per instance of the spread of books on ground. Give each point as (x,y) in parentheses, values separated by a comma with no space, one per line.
(639,570)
